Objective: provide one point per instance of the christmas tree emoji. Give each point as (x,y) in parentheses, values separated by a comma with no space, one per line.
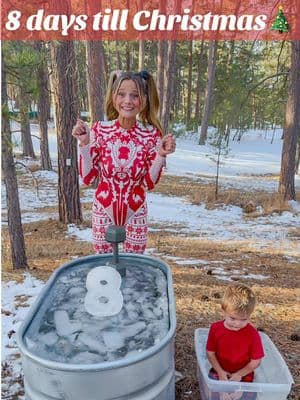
(280,24)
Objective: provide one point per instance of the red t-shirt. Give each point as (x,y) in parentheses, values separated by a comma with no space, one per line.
(234,349)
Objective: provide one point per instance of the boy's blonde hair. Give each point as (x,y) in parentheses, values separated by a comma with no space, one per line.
(147,92)
(238,298)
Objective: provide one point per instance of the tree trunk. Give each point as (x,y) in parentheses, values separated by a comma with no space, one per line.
(297,154)
(200,61)
(161,63)
(105,70)
(178,97)
(25,125)
(128,64)
(141,55)
(15,229)
(95,79)
(212,57)
(43,106)
(230,54)
(292,126)
(169,75)
(189,87)
(118,56)
(66,112)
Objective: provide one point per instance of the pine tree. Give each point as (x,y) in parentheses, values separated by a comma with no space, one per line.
(280,24)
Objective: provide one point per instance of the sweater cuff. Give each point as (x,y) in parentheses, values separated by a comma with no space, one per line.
(84,150)
(160,160)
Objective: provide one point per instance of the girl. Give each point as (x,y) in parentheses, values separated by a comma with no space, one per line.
(126,155)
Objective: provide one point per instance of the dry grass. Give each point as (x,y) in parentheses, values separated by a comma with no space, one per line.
(199,191)
(47,246)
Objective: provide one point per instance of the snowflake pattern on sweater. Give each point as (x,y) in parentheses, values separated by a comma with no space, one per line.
(127,164)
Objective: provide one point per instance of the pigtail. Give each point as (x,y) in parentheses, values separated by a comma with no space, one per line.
(150,112)
(110,111)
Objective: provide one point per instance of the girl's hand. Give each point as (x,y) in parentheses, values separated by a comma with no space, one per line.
(168,145)
(81,132)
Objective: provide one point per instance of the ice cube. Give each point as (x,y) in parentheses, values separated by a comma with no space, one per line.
(49,338)
(86,357)
(113,340)
(92,343)
(134,329)
(63,325)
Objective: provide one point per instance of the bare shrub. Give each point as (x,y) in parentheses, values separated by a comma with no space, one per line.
(275,203)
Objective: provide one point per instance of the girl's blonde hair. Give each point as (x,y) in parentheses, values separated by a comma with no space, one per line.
(238,298)
(146,89)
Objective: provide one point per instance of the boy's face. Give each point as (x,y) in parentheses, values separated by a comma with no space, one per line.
(234,320)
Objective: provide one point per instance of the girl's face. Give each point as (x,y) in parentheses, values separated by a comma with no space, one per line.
(235,321)
(127,100)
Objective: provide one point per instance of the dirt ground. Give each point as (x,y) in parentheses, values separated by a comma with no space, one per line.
(197,289)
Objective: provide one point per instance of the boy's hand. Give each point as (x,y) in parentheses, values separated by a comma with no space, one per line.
(223,375)
(81,132)
(235,377)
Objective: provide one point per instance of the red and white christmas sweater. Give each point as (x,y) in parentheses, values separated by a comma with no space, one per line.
(127,164)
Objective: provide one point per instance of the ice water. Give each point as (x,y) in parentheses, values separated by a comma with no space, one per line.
(63,331)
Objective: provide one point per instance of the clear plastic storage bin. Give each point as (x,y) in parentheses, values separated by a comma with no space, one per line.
(272,380)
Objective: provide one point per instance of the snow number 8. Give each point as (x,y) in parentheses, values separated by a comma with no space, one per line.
(104,297)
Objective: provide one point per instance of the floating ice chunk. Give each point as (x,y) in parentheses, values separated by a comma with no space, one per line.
(75,291)
(64,279)
(160,283)
(126,298)
(157,340)
(149,314)
(133,315)
(142,297)
(63,325)
(113,340)
(133,353)
(91,343)
(131,345)
(85,357)
(134,329)
(30,343)
(72,338)
(158,312)
(63,347)
(49,338)
(128,292)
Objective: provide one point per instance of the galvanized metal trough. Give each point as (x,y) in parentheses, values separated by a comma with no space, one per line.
(145,375)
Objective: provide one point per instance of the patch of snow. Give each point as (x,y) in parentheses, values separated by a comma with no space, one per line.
(16,299)
(230,276)
(81,234)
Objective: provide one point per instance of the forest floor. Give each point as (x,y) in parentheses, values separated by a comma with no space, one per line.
(196,286)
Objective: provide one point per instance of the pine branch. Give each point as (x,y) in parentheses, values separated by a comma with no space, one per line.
(265,79)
